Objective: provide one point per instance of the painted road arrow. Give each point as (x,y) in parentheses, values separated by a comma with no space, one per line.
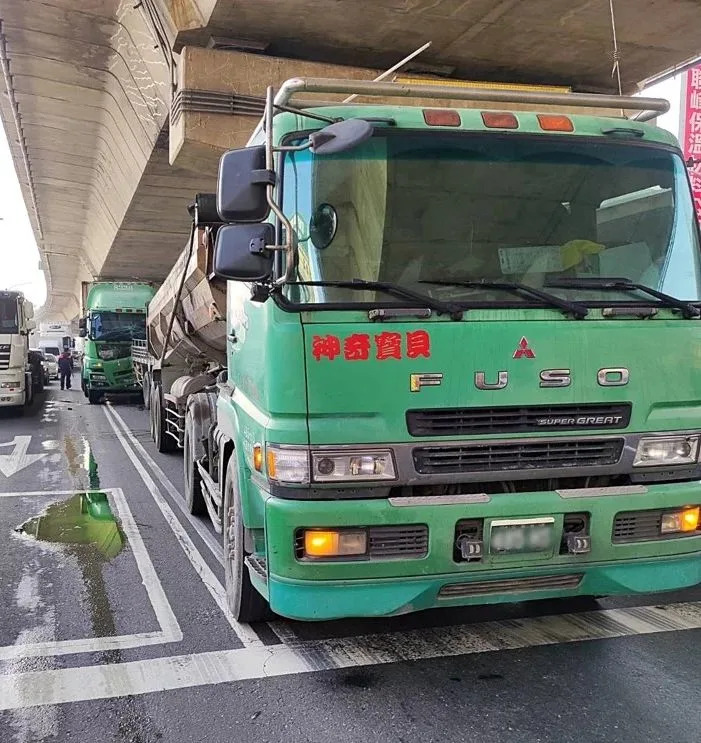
(11,464)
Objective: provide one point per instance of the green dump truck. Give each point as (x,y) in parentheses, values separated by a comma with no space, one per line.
(114,313)
(462,354)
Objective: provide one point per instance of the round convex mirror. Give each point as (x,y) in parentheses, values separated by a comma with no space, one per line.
(323,226)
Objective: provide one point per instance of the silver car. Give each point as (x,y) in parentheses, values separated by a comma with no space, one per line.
(50,366)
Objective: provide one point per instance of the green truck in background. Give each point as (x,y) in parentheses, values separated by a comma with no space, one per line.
(114,313)
(462,354)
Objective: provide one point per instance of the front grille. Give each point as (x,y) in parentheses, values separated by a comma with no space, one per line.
(513,585)
(398,541)
(637,526)
(5,350)
(528,455)
(405,540)
(517,419)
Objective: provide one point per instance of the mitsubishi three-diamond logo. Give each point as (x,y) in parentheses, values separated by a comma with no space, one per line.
(523,350)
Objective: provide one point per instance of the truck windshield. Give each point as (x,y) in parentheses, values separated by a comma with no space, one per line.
(117,326)
(8,316)
(409,208)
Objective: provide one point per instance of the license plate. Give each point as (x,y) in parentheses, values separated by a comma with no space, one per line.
(515,536)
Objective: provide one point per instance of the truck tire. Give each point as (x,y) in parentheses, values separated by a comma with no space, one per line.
(94,397)
(146,390)
(194,497)
(164,442)
(245,603)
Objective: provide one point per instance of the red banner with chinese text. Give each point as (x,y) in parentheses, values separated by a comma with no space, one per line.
(691,130)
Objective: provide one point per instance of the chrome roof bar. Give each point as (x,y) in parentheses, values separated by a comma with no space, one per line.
(649,107)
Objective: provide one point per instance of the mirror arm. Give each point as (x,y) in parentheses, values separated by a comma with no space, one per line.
(293,148)
(270,191)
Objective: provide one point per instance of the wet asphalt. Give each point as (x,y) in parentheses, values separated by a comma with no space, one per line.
(71,576)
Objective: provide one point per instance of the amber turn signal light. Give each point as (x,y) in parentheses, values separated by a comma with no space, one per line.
(334,543)
(683,521)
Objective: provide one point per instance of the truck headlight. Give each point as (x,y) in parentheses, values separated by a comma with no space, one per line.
(351,466)
(291,465)
(6,385)
(666,450)
(288,465)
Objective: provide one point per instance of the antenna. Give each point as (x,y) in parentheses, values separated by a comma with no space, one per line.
(616,70)
(396,67)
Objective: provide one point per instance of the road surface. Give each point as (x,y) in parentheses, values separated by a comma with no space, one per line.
(113,627)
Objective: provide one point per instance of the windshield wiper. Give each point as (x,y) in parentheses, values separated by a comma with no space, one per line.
(612,283)
(119,334)
(422,300)
(579,311)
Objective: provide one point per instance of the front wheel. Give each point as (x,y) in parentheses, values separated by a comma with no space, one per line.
(94,397)
(245,603)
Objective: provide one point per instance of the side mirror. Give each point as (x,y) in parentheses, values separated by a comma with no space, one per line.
(31,325)
(240,253)
(82,333)
(83,323)
(242,184)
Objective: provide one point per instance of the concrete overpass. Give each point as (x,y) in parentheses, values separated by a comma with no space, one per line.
(116,112)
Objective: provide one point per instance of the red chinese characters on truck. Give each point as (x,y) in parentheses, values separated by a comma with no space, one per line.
(381,346)
(691,132)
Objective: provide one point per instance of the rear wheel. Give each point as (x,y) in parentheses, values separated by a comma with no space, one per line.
(245,603)
(194,498)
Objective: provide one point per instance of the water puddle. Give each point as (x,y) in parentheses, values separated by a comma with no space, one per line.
(83,521)
(84,528)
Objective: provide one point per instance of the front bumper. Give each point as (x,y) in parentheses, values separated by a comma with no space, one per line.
(8,399)
(381,587)
(326,600)
(122,386)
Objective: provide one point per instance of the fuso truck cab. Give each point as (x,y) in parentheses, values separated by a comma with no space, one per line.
(114,314)
(16,323)
(463,356)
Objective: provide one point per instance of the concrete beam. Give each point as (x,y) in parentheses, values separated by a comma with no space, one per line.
(198,137)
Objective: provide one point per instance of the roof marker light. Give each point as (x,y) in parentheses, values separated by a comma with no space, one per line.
(555,123)
(499,120)
(441,117)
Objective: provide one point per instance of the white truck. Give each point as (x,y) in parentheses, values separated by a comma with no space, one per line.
(16,323)
(53,337)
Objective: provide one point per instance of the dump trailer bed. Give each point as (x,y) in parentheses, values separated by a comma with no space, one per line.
(185,344)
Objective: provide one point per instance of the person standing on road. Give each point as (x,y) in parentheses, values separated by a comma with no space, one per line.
(65,368)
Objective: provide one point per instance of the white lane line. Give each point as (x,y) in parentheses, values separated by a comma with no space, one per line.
(214,546)
(159,601)
(169,628)
(280,629)
(59,686)
(243,631)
